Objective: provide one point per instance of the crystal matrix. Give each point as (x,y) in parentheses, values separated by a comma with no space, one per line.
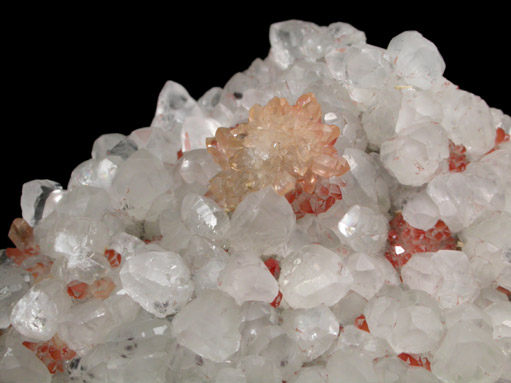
(337,212)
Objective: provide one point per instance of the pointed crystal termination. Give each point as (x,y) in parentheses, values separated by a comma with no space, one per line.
(279,146)
(33,198)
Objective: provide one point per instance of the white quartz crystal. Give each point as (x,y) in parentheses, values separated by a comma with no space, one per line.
(364,230)
(313,329)
(246,278)
(157,279)
(467,354)
(263,220)
(350,367)
(33,198)
(204,217)
(139,180)
(415,155)
(209,326)
(410,321)
(421,212)
(14,283)
(416,59)
(371,273)
(113,144)
(314,275)
(446,275)
(38,313)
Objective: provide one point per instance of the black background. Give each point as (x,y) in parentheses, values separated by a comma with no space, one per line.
(72,75)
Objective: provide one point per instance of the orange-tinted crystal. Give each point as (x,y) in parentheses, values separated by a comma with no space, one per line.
(279,145)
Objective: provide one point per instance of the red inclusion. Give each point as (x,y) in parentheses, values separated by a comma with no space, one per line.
(16,255)
(78,289)
(361,323)
(415,361)
(179,154)
(40,269)
(501,137)
(114,258)
(405,240)
(319,200)
(277,300)
(273,265)
(53,353)
(457,159)
(504,291)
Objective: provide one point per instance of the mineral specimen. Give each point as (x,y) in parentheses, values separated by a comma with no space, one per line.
(338,212)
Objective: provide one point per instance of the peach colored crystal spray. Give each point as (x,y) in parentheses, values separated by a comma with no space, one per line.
(283,146)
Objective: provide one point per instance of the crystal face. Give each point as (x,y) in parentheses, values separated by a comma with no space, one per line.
(338,212)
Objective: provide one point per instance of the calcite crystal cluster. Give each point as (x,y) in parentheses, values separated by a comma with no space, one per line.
(338,212)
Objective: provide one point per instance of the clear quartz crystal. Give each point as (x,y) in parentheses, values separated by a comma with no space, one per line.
(157,279)
(38,312)
(312,276)
(313,329)
(263,220)
(209,326)
(246,278)
(204,217)
(364,230)
(468,354)
(33,199)
(14,283)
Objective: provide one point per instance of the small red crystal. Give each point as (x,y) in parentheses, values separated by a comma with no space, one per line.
(53,353)
(319,200)
(277,300)
(77,289)
(405,240)
(273,265)
(501,137)
(457,159)
(361,323)
(114,258)
(415,361)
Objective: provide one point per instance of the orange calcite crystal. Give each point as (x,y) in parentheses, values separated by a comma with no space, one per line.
(279,146)
(21,234)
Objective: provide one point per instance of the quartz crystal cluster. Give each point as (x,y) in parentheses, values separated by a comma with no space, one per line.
(338,212)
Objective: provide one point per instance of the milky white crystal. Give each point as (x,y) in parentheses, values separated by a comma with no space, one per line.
(415,155)
(446,275)
(33,198)
(209,326)
(313,329)
(314,275)
(246,278)
(363,229)
(416,59)
(467,354)
(38,313)
(14,283)
(409,320)
(157,279)
(263,220)
(371,273)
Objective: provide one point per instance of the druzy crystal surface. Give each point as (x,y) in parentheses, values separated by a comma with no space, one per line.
(338,212)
